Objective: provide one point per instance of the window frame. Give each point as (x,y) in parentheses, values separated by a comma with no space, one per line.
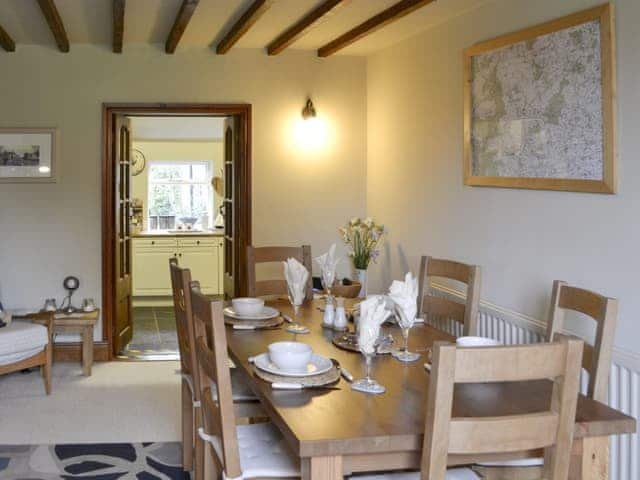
(209,165)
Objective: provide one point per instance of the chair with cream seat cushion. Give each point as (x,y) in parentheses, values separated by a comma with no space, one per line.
(273,255)
(448,432)
(246,402)
(451,474)
(239,451)
(26,344)
(596,360)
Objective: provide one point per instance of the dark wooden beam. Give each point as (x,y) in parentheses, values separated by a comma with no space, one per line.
(118,24)
(6,41)
(301,27)
(391,14)
(52,16)
(246,21)
(179,26)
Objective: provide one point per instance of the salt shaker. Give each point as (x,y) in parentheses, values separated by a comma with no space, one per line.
(329,314)
(340,320)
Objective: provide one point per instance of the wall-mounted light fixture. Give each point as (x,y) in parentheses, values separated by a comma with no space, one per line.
(309,111)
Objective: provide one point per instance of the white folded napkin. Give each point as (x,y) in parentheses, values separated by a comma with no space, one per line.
(373,313)
(328,263)
(405,296)
(296,275)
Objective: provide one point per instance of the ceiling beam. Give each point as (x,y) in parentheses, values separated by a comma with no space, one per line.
(303,25)
(391,14)
(52,16)
(118,24)
(6,41)
(244,23)
(180,25)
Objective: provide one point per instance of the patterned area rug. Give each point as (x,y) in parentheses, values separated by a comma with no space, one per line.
(105,461)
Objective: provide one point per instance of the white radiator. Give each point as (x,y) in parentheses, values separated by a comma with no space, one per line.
(513,328)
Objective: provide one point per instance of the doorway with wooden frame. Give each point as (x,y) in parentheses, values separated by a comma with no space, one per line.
(119,209)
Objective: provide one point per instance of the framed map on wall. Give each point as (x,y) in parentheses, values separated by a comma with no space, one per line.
(540,107)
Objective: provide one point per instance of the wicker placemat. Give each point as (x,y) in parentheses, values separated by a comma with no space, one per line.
(349,341)
(326,378)
(270,323)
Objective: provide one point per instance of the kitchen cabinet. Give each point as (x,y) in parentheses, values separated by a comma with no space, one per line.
(202,255)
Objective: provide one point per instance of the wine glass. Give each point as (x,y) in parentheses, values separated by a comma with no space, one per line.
(405,324)
(296,302)
(367,347)
(328,277)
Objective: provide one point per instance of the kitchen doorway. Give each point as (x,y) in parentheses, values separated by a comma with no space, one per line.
(176,185)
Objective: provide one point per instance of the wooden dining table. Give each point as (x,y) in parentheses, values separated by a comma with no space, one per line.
(339,432)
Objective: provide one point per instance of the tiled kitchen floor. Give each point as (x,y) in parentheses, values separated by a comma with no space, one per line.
(154,334)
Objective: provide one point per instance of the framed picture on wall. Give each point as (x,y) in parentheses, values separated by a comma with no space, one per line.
(28,155)
(539,107)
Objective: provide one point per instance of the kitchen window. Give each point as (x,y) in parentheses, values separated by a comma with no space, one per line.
(179,194)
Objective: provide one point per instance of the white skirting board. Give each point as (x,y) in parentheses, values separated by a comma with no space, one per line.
(514,328)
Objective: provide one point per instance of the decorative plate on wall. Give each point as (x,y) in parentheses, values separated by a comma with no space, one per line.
(138,162)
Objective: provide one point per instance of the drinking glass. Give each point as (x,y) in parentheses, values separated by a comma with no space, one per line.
(295,327)
(367,384)
(405,355)
(328,277)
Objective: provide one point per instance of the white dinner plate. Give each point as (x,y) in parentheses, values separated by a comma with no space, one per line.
(316,366)
(267,314)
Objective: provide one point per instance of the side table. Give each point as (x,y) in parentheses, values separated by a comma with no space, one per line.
(82,323)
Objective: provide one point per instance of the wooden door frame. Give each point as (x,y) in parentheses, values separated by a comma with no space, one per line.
(109,112)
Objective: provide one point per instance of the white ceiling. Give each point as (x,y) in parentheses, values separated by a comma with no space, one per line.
(177,128)
(149,21)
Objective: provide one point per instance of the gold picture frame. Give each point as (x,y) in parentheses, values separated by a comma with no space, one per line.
(603,14)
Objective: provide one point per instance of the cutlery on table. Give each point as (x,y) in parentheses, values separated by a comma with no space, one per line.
(299,386)
(344,372)
(254,327)
(286,318)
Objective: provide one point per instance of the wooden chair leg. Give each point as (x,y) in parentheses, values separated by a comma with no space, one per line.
(187,428)
(46,371)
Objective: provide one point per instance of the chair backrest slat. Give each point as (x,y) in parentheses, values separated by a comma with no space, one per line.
(258,255)
(509,363)
(470,275)
(217,397)
(180,280)
(603,311)
(551,429)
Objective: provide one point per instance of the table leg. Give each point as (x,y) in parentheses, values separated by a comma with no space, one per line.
(322,468)
(590,459)
(87,350)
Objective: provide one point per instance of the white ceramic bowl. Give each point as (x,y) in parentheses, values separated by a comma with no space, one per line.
(476,342)
(246,306)
(290,356)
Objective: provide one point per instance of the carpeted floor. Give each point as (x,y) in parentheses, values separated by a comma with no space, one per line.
(121,401)
(107,461)
(154,334)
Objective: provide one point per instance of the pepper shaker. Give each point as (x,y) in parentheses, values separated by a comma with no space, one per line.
(340,320)
(329,314)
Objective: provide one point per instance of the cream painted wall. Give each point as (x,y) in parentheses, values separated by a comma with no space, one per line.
(159,151)
(523,239)
(49,231)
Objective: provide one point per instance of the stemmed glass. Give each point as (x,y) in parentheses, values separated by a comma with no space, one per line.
(296,301)
(328,277)
(367,346)
(405,325)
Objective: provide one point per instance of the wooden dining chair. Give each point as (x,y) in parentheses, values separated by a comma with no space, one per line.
(262,454)
(596,360)
(434,307)
(190,390)
(263,255)
(448,432)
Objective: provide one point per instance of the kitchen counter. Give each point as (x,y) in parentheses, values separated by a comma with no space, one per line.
(185,233)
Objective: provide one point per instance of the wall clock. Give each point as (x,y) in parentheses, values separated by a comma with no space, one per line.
(138,162)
